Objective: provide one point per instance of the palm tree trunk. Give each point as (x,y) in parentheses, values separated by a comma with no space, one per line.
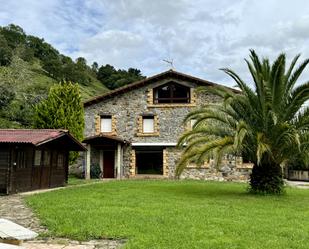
(266,178)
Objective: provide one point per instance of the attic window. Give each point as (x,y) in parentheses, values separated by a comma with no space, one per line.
(171,93)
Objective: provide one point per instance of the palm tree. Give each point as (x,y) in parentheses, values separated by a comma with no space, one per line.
(266,123)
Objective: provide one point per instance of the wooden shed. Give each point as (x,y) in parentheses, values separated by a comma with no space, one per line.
(34,158)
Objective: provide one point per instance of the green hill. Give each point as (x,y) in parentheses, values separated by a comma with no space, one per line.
(24,84)
(29,67)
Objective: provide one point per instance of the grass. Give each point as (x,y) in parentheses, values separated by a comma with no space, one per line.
(74,181)
(177,214)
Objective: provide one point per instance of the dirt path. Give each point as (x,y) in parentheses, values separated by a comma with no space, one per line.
(13,208)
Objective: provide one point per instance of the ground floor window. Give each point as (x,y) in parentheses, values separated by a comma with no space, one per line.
(149,162)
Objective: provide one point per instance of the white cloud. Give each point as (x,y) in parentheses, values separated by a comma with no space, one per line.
(115,47)
(201,36)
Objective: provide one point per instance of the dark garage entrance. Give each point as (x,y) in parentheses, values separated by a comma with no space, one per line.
(149,162)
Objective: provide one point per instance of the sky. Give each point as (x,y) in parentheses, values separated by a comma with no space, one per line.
(200,36)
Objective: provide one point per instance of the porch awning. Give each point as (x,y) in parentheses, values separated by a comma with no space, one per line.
(104,140)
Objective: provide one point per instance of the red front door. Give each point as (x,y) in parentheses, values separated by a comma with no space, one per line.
(108,164)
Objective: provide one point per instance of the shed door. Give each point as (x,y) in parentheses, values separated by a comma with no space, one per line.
(41,169)
(4,163)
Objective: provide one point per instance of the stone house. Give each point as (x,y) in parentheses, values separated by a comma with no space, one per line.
(133,131)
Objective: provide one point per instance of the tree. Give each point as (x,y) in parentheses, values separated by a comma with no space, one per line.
(135,72)
(113,78)
(16,79)
(5,52)
(81,62)
(95,67)
(266,123)
(41,49)
(14,35)
(24,52)
(62,109)
(54,68)
(105,72)
(6,96)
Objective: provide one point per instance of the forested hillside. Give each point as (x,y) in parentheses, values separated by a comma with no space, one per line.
(29,66)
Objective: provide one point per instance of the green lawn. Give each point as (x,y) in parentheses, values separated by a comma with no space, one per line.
(177,214)
(72,181)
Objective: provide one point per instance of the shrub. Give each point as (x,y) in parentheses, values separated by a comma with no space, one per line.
(95,171)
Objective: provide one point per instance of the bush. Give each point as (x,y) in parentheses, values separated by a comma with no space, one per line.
(95,171)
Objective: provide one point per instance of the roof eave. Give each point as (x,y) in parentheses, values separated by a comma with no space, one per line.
(148,80)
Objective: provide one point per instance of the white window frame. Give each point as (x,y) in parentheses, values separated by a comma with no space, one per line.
(149,124)
(106,124)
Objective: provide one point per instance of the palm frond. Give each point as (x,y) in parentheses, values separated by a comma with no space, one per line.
(267,123)
(262,147)
(296,74)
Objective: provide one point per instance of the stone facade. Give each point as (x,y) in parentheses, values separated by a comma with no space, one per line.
(128,107)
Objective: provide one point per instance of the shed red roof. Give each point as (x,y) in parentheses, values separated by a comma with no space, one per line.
(28,136)
(31,136)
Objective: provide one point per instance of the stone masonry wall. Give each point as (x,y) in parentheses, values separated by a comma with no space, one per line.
(128,107)
(230,169)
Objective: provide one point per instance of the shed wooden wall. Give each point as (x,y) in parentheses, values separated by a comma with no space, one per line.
(21,176)
(4,161)
(18,172)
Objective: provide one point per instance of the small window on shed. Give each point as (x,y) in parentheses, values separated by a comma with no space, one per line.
(20,159)
(37,157)
(106,123)
(46,158)
(60,160)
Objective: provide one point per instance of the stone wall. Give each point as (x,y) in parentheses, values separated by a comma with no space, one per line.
(231,168)
(127,109)
(78,168)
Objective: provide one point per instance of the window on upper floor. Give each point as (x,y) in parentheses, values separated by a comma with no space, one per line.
(171,93)
(106,123)
(148,124)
